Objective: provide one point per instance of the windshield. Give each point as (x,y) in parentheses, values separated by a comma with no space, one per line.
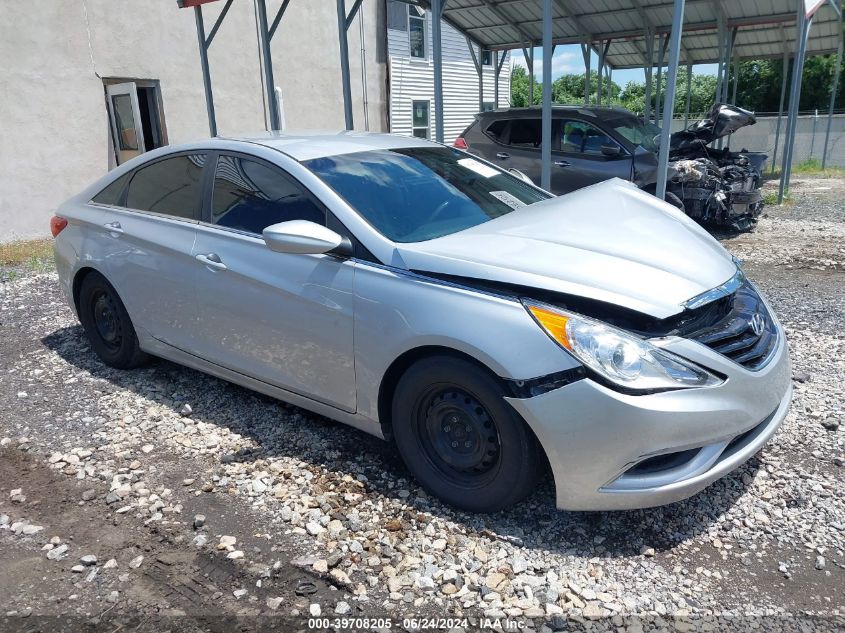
(420,193)
(635,130)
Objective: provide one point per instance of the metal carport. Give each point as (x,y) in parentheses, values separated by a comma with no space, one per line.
(623,33)
(634,34)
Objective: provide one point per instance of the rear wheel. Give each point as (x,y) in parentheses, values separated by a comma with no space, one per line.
(107,324)
(460,439)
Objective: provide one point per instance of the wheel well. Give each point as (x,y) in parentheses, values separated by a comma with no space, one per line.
(400,366)
(81,274)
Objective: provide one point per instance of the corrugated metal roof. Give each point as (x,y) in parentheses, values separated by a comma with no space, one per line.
(763,26)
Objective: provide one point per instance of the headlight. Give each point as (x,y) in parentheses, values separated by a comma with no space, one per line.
(622,358)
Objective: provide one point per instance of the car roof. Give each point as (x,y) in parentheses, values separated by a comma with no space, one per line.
(595,112)
(307,145)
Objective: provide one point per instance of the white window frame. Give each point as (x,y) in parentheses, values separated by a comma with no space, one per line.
(427,126)
(424,19)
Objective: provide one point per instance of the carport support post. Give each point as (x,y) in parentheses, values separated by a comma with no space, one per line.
(669,97)
(264,33)
(585,52)
(721,40)
(833,90)
(437,53)
(499,64)
(658,88)
(546,142)
(343,40)
(206,74)
(528,54)
(479,70)
(495,79)
(649,48)
(784,73)
(603,48)
(689,88)
(736,80)
(804,23)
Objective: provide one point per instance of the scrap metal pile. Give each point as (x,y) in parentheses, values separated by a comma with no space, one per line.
(717,186)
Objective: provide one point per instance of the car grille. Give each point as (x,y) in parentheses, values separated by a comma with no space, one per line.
(745,332)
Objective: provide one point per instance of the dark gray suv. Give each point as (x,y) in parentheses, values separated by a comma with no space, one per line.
(591,144)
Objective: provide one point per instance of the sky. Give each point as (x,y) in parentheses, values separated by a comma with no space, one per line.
(568,59)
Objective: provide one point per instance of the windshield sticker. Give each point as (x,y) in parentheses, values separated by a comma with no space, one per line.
(512,201)
(479,168)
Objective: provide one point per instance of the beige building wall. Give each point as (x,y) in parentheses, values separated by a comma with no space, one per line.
(54,127)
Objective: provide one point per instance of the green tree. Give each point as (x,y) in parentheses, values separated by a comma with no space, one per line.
(520,88)
(566,89)
(758,88)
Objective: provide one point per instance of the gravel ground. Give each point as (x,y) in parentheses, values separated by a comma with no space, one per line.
(167,499)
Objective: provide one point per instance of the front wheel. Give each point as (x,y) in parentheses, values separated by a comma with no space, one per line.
(459,437)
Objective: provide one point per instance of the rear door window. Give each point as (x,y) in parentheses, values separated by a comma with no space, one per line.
(250,196)
(526,133)
(171,186)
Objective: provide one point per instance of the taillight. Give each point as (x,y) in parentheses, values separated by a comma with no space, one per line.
(460,143)
(57,224)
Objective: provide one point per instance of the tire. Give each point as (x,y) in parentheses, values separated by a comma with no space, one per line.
(460,439)
(107,324)
(674,200)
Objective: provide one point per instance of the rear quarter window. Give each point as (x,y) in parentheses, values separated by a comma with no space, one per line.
(497,129)
(113,192)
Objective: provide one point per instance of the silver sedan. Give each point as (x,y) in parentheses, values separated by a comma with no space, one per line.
(491,330)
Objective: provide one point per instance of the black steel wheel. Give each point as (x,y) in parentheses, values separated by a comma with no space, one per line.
(107,324)
(459,437)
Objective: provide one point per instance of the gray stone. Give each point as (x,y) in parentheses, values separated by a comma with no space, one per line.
(342,608)
(57,553)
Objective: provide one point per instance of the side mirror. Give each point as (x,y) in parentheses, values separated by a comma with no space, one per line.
(611,151)
(304,238)
(520,175)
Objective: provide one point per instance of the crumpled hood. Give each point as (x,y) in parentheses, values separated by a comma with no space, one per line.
(611,242)
(723,119)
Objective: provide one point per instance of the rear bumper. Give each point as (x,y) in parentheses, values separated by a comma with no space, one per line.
(611,451)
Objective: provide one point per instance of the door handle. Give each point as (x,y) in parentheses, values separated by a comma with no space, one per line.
(212,261)
(562,163)
(503,155)
(114,228)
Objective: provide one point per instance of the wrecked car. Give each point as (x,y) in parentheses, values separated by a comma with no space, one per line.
(717,186)
(491,330)
(592,144)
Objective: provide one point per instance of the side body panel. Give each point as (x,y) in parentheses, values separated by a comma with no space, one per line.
(283,319)
(147,259)
(574,170)
(396,312)
(150,265)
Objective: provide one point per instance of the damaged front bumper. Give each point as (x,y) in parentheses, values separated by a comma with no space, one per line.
(612,451)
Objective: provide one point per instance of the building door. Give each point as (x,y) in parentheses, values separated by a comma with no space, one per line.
(125,118)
